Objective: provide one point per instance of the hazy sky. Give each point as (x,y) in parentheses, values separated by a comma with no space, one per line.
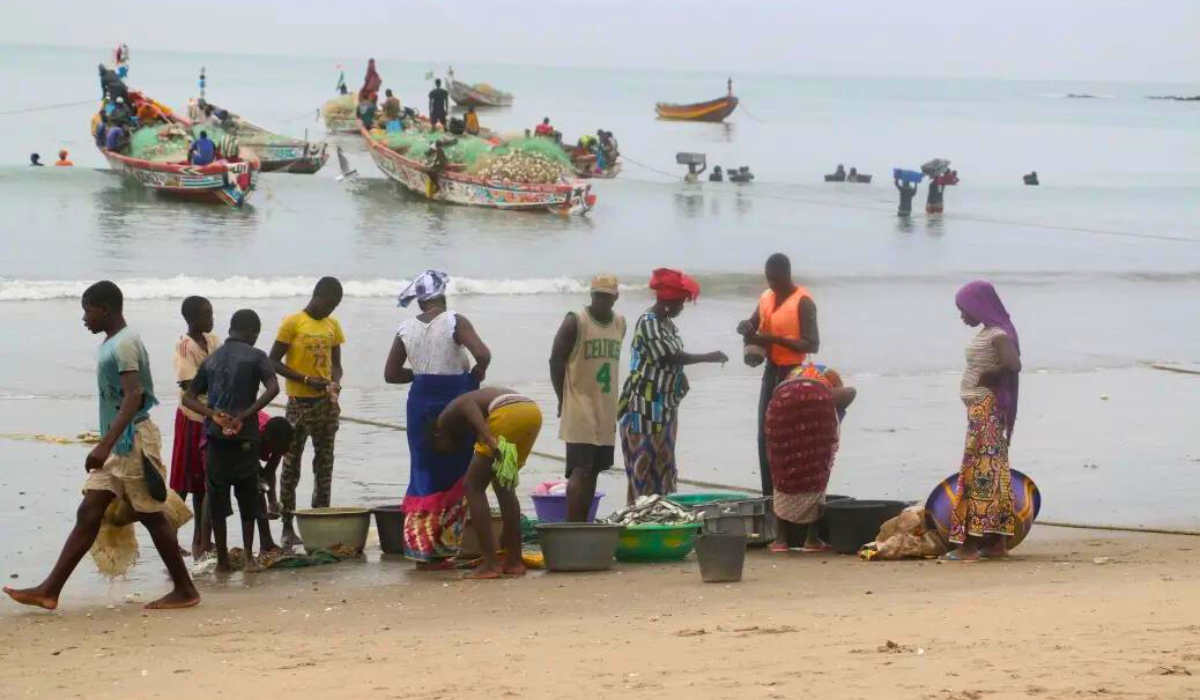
(1150,40)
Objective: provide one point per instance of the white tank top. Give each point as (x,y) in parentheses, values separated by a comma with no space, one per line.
(431,346)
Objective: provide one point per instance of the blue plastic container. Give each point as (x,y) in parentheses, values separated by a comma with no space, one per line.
(908,175)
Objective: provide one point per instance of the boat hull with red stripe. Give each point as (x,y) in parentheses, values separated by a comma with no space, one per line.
(222,181)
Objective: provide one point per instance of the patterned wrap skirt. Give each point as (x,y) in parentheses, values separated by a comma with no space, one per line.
(802,441)
(984,498)
(649,459)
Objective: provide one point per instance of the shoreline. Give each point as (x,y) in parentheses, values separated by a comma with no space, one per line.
(1050,623)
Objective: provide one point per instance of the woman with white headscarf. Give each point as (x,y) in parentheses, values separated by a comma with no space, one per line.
(434,345)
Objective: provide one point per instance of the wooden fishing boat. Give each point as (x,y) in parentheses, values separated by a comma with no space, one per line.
(226,180)
(478,95)
(584,162)
(712,111)
(275,153)
(222,181)
(565,197)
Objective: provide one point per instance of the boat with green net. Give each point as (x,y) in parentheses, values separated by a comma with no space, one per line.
(526,174)
(157,158)
(275,153)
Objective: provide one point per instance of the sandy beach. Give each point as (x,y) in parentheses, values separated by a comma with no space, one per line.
(1050,623)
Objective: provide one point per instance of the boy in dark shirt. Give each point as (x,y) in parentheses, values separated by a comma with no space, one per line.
(231,377)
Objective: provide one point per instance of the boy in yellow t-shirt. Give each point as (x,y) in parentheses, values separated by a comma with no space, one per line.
(308,353)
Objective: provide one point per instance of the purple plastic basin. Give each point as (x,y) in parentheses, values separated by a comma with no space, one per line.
(552,508)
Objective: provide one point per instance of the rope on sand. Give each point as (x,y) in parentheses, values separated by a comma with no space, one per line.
(727,487)
(45,108)
(1174,368)
(686,482)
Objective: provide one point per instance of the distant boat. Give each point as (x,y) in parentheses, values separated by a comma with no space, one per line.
(712,111)
(478,95)
(275,153)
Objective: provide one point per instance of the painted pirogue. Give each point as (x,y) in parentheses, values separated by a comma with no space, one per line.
(712,111)
(162,166)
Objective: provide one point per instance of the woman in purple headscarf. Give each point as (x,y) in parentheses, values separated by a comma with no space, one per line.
(983,510)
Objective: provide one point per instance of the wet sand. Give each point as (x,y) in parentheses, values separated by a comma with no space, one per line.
(1051,623)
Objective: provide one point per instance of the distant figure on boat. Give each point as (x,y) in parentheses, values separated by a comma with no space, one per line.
(120,116)
(544,129)
(716,175)
(341,84)
(729,84)
(115,139)
(202,151)
(609,143)
(908,190)
(838,175)
(435,164)
(147,113)
(1032,178)
(35,160)
(371,83)
(472,121)
(439,101)
(853,176)
(392,112)
(366,112)
(857,177)
(742,174)
(63,161)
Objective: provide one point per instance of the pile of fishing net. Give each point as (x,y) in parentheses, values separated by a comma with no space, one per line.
(161,142)
(341,107)
(460,150)
(536,160)
(115,550)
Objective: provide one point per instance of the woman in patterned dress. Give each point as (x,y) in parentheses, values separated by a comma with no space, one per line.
(983,514)
(801,430)
(647,413)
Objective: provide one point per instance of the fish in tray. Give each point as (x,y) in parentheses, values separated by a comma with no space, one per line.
(654,509)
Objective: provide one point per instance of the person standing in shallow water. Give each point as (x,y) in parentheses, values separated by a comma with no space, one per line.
(984,514)
(584,369)
(648,410)
(308,353)
(907,191)
(784,325)
(116,467)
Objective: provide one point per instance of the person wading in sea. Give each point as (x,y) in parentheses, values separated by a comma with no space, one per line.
(785,326)
(584,369)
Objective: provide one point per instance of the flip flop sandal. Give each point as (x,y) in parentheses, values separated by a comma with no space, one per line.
(956,557)
(779,548)
(822,549)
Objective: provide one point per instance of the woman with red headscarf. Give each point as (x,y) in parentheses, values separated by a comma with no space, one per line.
(647,412)
(983,508)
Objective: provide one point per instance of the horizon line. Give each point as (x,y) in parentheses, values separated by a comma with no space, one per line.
(621,67)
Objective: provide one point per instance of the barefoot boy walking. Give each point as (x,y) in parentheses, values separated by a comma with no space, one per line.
(118,465)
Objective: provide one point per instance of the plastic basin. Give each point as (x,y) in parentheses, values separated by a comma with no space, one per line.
(579,546)
(653,543)
(552,508)
(854,523)
(322,528)
(691,500)
(389,523)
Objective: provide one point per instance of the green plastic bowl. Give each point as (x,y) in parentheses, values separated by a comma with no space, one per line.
(652,543)
(691,500)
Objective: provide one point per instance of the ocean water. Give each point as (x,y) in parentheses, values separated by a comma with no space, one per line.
(1100,267)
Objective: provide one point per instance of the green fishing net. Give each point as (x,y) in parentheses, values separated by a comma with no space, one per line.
(505,464)
(161,143)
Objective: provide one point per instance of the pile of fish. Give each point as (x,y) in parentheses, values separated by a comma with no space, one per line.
(519,166)
(654,509)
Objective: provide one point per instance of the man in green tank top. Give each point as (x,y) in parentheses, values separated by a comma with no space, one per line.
(584,368)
